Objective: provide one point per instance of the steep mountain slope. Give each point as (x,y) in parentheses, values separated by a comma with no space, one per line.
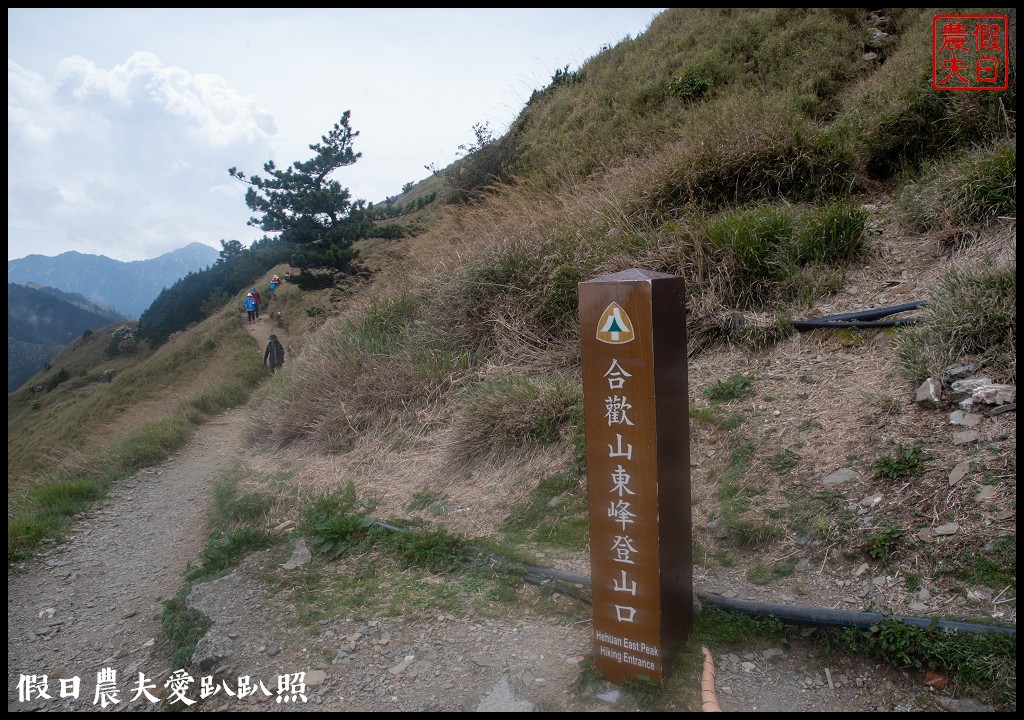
(41,321)
(81,301)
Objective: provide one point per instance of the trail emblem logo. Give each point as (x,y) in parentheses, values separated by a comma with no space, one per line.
(615,327)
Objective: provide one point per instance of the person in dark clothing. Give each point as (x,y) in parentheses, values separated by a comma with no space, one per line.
(273,356)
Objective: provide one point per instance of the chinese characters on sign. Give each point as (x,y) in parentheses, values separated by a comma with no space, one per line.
(970,52)
(290,688)
(634,350)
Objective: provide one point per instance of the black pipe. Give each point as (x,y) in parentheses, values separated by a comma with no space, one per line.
(862,319)
(569,584)
(802,614)
(821,323)
(875,313)
(828,617)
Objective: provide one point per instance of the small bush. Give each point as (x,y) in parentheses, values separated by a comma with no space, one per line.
(884,543)
(906,462)
(734,387)
(54,380)
(689,86)
(336,524)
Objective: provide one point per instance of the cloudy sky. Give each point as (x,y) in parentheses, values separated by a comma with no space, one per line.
(121,124)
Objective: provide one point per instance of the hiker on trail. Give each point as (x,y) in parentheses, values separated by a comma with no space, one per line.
(256,297)
(273,356)
(274,282)
(250,308)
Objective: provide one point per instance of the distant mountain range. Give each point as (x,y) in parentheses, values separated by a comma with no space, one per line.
(41,321)
(127,287)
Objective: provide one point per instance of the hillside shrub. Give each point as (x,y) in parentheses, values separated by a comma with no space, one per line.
(971,315)
(54,380)
(768,248)
(964,189)
(507,413)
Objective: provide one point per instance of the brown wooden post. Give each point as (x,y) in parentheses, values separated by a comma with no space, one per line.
(636,423)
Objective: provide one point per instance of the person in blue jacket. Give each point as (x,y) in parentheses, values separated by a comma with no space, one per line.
(250,308)
(256,296)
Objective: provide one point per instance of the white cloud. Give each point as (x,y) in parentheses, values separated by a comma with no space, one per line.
(122,123)
(129,161)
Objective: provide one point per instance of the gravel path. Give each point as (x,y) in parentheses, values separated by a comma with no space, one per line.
(95,600)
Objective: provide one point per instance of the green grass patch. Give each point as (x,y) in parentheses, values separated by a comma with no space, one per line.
(779,253)
(555,514)
(817,515)
(385,326)
(882,544)
(982,662)
(732,421)
(321,595)
(435,502)
(49,508)
(783,461)
(906,462)
(721,629)
(182,628)
(436,550)
(961,191)
(238,526)
(646,693)
(765,574)
(753,533)
(715,417)
(733,387)
(993,565)
(746,526)
(337,523)
(224,550)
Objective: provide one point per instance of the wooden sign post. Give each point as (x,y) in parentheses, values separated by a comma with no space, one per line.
(636,423)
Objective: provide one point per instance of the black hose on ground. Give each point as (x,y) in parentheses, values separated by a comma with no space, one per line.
(571,585)
(799,614)
(833,324)
(828,617)
(862,319)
